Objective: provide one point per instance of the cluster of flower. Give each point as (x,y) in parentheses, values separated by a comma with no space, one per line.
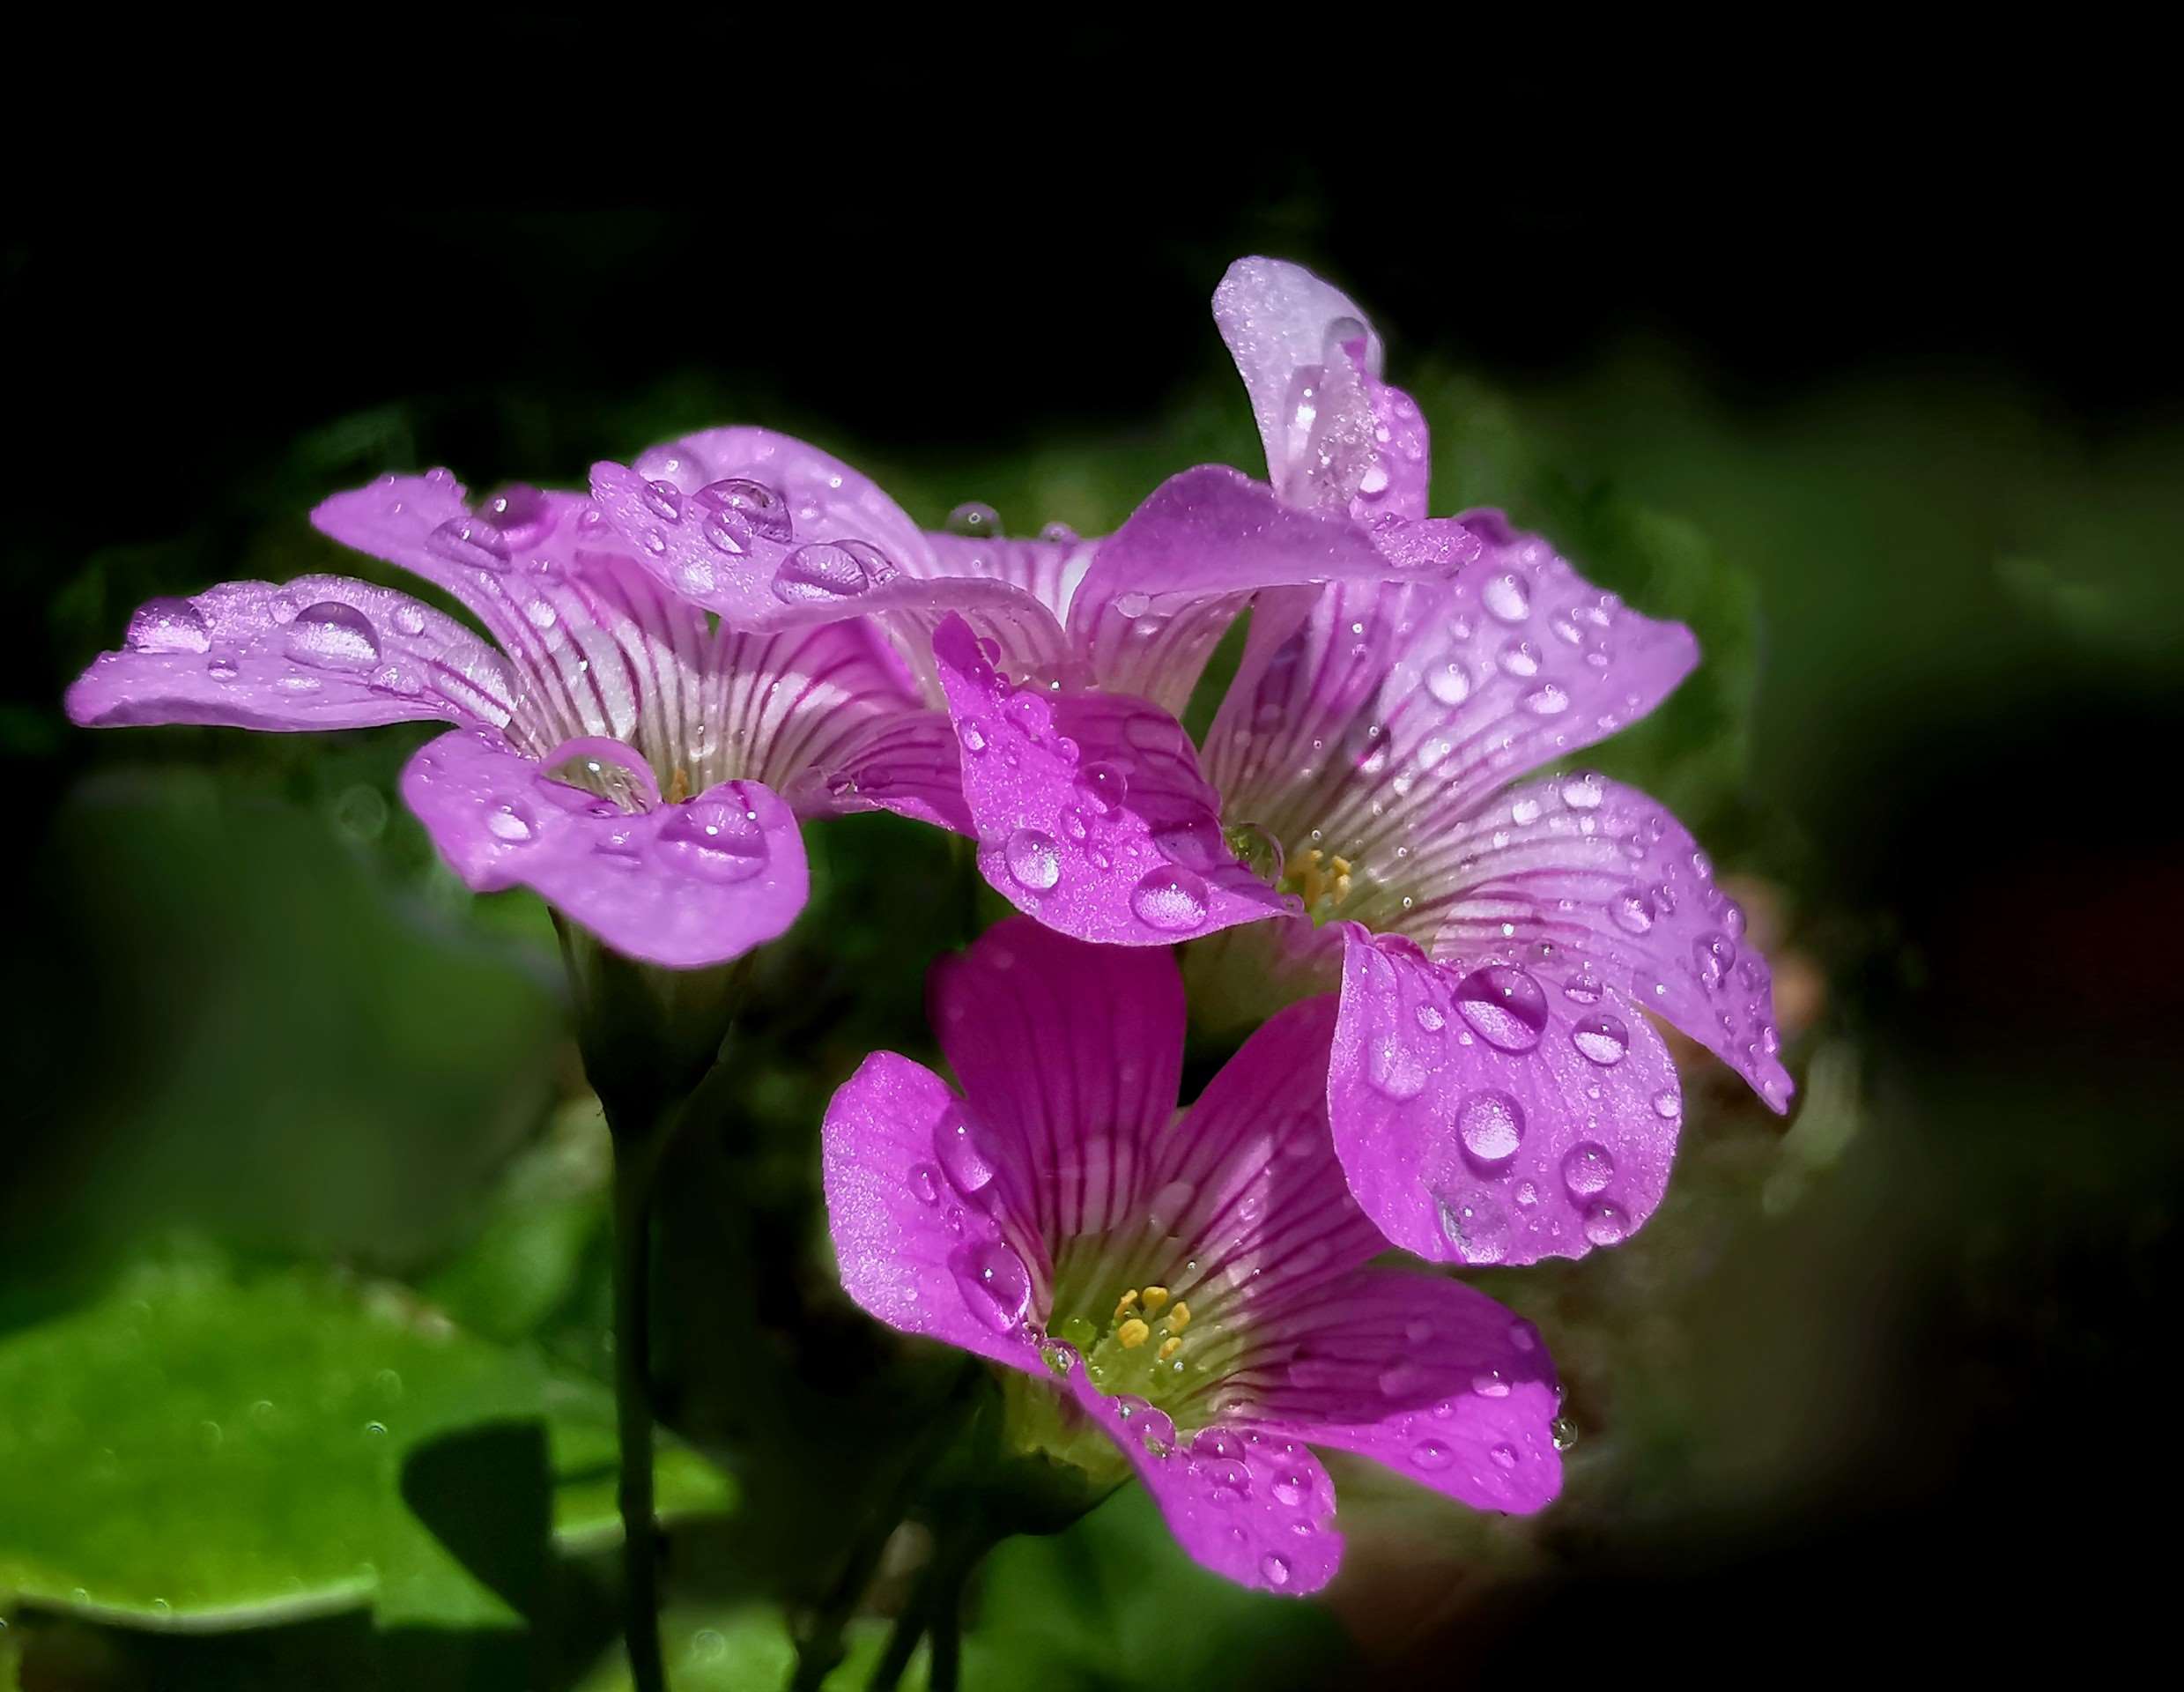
(738,636)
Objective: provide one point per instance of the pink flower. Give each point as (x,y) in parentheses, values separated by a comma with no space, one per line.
(641,770)
(1495,1093)
(1190,1290)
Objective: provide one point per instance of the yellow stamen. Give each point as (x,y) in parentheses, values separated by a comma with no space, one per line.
(1133,1333)
(1179,1319)
(1153,1298)
(1125,1304)
(677,786)
(1169,1346)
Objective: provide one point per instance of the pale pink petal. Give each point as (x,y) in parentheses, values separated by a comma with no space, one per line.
(909,763)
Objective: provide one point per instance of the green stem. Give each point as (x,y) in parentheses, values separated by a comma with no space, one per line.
(632,1404)
(935,1608)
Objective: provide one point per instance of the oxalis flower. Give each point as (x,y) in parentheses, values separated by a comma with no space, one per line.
(1185,1295)
(641,769)
(1496,1094)
(1093,645)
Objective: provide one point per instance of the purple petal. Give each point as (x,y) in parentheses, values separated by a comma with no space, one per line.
(1378,716)
(1337,437)
(924,1230)
(1091,813)
(322,652)
(909,763)
(1163,588)
(1482,1114)
(1424,1373)
(1252,1503)
(681,885)
(1071,1054)
(1611,892)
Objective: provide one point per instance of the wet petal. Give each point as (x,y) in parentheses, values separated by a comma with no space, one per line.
(1483,1115)
(680,885)
(1107,1026)
(321,652)
(1424,1373)
(922,1229)
(1165,585)
(1607,891)
(908,763)
(1091,813)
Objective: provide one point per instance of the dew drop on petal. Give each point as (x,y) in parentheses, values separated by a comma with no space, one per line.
(1506,597)
(1430,1454)
(1171,899)
(925,1182)
(1632,911)
(715,840)
(1476,1226)
(1586,1167)
(1667,1105)
(1034,858)
(974,519)
(745,509)
(1275,1568)
(513,821)
(1446,681)
(970,1172)
(1605,1223)
(167,626)
(819,574)
(1506,1006)
(469,540)
(995,1285)
(1602,1040)
(1490,1125)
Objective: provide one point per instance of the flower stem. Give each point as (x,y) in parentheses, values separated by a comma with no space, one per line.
(632,1406)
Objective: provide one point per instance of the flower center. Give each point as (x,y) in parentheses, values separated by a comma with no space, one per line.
(1140,1349)
(1321,880)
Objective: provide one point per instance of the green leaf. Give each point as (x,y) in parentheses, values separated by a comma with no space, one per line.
(203,1450)
(729,1651)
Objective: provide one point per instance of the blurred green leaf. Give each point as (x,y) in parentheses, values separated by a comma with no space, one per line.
(736,1650)
(201,1449)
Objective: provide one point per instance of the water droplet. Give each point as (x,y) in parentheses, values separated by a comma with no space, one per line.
(968,1169)
(1711,956)
(739,509)
(1171,899)
(818,574)
(1605,1223)
(1519,658)
(1447,681)
(1275,1568)
(1601,1039)
(1583,791)
(585,776)
(1549,701)
(925,1182)
(1490,1125)
(1291,1488)
(1505,1457)
(1505,1005)
(1667,1105)
(513,821)
(167,626)
(1431,1020)
(333,637)
(1586,1167)
(665,500)
(1216,1445)
(715,840)
(974,519)
(1632,911)
(1506,597)
(1563,1431)
(972,732)
(1475,1227)
(1102,786)
(1430,1454)
(1034,858)
(469,540)
(995,1285)
(1583,987)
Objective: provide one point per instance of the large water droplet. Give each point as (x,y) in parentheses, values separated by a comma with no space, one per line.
(1505,1005)
(818,573)
(665,501)
(1275,1568)
(995,1285)
(974,519)
(743,508)
(1034,858)
(715,840)
(167,626)
(580,775)
(1711,956)
(1430,1454)
(1601,1039)
(1490,1125)
(1447,681)
(1101,787)
(1476,1226)
(1291,1488)
(512,820)
(925,1182)
(970,1172)
(1586,1167)
(472,541)
(1632,911)
(1506,597)
(1171,899)
(1549,701)
(1583,791)
(1606,1223)
(972,732)
(333,637)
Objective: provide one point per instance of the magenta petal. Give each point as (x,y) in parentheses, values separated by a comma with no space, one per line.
(910,764)
(1424,1373)
(322,652)
(1483,1115)
(1071,1054)
(1621,892)
(1251,1504)
(1091,813)
(1166,584)
(682,885)
(924,1235)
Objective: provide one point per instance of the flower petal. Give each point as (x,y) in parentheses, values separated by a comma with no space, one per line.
(1337,437)
(1422,1373)
(1611,891)
(909,763)
(321,652)
(1071,1054)
(1166,584)
(917,1249)
(1483,1115)
(1089,810)
(681,885)
(1377,714)
(1248,1502)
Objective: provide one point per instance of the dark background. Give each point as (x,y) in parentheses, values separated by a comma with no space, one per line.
(1868,368)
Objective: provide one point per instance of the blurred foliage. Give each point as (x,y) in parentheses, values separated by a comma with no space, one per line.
(246,1007)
